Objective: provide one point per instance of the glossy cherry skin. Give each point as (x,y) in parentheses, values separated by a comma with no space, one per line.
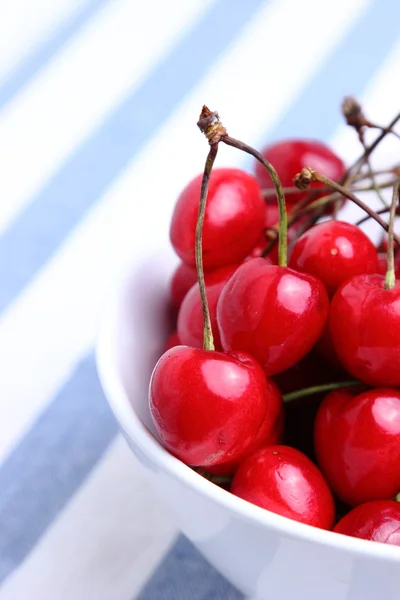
(378,521)
(190,326)
(290,156)
(267,436)
(207,407)
(273,313)
(233,221)
(284,481)
(364,323)
(334,251)
(357,444)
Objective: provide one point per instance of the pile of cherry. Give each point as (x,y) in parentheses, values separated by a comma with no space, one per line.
(284,386)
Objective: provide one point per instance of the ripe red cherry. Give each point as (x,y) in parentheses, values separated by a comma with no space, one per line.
(267,436)
(364,322)
(207,406)
(284,481)
(183,278)
(334,251)
(290,156)
(234,218)
(377,521)
(273,313)
(357,444)
(190,317)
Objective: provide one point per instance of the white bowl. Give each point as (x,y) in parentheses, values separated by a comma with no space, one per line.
(262,554)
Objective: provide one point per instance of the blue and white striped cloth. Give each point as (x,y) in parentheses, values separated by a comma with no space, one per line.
(96,98)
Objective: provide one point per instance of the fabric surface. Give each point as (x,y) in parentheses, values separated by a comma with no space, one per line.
(95,97)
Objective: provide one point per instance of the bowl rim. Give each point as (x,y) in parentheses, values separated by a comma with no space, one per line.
(133,428)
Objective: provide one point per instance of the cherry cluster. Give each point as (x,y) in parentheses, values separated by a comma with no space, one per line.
(281,381)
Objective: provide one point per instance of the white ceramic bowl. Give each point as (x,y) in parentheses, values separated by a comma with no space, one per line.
(262,554)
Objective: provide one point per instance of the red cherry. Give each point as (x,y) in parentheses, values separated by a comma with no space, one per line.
(172,341)
(377,521)
(357,444)
(290,156)
(334,251)
(283,480)
(234,218)
(190,317)
(183,278)
(267,435)
(207,407)
(271,312)
(364,322)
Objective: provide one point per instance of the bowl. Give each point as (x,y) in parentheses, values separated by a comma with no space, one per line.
(263,554)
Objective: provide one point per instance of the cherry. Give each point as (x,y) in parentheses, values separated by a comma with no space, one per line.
(233,221)
(291,156)
(183,278)
(271,312)
(267,435)
(172,341)
(334,251)
(378,521)
(283,480)
(357,444)
(208,406)
(364,323)
(190,325)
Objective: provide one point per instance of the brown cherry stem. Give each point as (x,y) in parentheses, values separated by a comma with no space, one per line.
(382,211)
(390,277)
(316,389)
(208,340)
(282,247)
(369,149)
(308,176)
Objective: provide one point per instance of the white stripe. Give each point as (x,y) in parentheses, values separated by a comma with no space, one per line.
(19,36)
(52,324)
(79,88)
(105,543)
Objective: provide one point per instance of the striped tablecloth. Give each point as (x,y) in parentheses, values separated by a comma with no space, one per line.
(96,98)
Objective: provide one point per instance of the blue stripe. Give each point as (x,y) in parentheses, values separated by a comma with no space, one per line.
(27,68)
(36,233)
(316,111)
(185,574)
(51,462)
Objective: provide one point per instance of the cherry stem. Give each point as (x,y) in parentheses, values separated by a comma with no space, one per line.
(208,340)
(282,248)
(397,498)
(315,389)
(382,211)
(308,176)
(390,277)
(368,151)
